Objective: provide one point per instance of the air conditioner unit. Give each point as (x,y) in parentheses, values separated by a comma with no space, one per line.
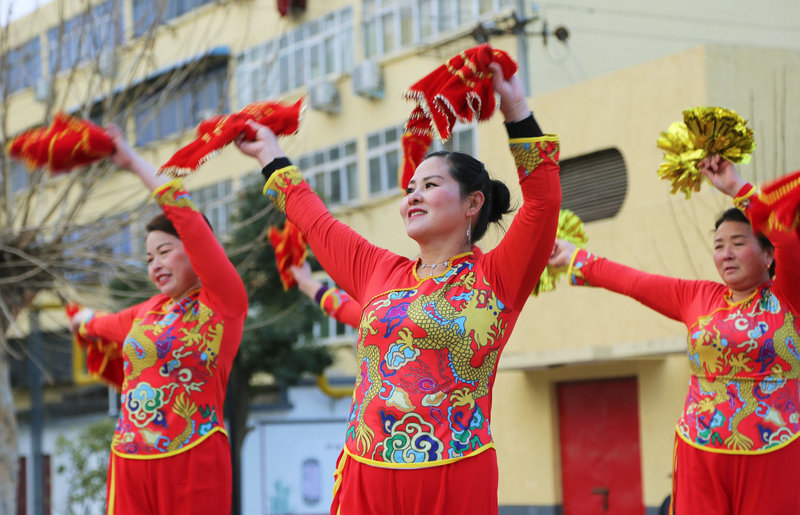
(324,96)
(41,89)
(368,80)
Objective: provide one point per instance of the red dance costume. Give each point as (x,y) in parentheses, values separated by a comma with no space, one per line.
(744,392)
(428,348)
(170,452)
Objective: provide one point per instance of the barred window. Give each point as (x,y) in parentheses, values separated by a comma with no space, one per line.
(217,203)
(594,186)
(24,66)
(309,53)
(391,25)
(333,173)
(147,14)
(166,114)
(384,153)
(330,331)
(83,37)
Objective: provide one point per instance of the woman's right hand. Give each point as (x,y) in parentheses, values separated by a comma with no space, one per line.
(722,174)
(264,147)
(562,253)
(512,95)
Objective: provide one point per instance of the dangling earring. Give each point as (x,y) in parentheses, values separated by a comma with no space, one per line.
(469,229)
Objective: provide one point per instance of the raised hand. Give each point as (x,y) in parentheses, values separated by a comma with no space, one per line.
(512,95)
(264,147)
(561,254)
(722,174)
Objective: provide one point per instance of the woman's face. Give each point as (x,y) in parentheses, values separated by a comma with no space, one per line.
(168,265)
(740,260)
(433,206)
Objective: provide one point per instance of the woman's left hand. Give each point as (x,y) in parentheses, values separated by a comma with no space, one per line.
(722,174)
(512,94)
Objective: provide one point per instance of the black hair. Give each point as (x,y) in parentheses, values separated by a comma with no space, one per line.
(160,222)
(735,215)
(471,176)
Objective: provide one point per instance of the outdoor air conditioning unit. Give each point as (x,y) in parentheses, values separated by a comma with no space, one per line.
(368,80)
(324,96)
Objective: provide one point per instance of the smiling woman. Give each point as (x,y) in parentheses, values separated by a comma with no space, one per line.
(738,433)
(170,356)
(432,328)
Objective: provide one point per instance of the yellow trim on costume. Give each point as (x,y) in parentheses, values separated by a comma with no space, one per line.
(572,261)
(546,137)
(272,178)
(176,183)
(170,453)
(423,279)
(741,202)
(412,466)
(737,453)
(337,483)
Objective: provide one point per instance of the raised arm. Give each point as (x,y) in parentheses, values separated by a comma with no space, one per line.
(517,262)
(349,259)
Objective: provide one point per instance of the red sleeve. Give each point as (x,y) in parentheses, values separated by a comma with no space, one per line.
(678,299)
(787,246)
(221,282)
(348,258)
(517,262)
(103,335)
(337,304)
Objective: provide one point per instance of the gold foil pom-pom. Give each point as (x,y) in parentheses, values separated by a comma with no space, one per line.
(570,228)
(704,131)
(720,131)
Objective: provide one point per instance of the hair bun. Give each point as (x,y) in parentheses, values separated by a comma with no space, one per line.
(500,203)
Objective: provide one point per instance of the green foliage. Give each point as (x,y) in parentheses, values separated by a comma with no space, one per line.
(87,457)
(279,320)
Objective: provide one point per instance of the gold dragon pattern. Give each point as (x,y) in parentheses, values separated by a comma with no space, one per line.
(478,329)
(712,357)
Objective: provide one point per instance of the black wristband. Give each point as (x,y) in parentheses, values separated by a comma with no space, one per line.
(320,292)
(525,128)
(275,164)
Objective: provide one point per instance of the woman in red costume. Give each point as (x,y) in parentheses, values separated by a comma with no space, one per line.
(736,441)
(432,328)
(170,356)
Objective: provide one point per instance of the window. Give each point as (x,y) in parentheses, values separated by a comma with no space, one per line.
(216,202)
(84,36)
(307,54)
(333,173)
(24,67)
(463,139)
(384,153)
(20,177)
(147,14)
(593,186)
(391,25)
(168,113)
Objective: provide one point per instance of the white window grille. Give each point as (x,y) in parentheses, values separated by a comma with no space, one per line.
(391,25)
(333,173)
(384,154)
(311,52)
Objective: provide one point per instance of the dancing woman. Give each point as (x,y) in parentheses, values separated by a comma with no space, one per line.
(736,440)
(432,328)
(171,356)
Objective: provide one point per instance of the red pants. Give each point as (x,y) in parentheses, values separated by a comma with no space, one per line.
(195,481)
(710,483)
(465,487)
